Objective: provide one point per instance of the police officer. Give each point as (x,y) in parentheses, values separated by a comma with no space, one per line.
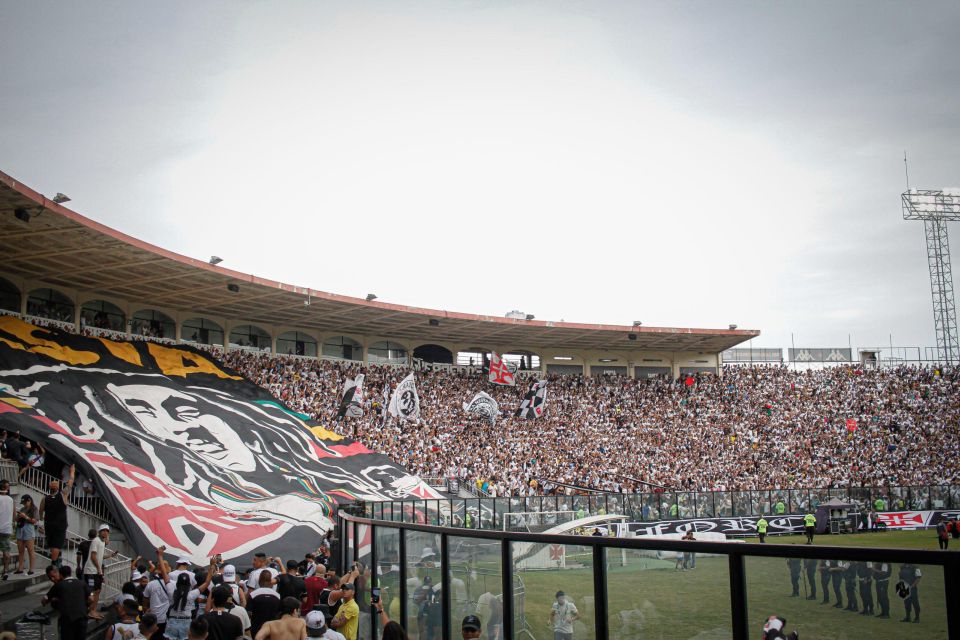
(850,584)
(910,575)
(809,523)
(836,576)
(794,564)
(881,578)
(762,528)
(810,566)
(825,580)
(865,578)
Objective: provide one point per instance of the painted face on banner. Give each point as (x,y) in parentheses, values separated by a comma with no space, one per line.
(180,418)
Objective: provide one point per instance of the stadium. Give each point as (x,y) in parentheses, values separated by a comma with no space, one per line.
(471,465)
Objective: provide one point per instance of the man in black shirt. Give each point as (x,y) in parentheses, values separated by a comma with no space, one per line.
(221,624)
(53,510)
(291,584)
(263,603)
(69,597)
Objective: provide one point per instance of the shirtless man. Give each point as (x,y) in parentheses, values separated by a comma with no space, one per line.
(289,627)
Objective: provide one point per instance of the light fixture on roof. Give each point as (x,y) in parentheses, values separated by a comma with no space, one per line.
(371,297)
(215,259)
(732,327)
(22,214)
(60,198)
(233,287)
(530,316)
(637,323)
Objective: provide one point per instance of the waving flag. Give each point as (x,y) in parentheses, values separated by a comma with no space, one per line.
(185,452)
(350,402)
(405,403)
(483,405)
(499,372)
(534,403)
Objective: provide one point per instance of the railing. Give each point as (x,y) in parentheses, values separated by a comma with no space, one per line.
(39,481)
(635,588)
(652,507)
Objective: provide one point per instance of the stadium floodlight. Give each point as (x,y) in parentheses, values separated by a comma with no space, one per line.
(61,198)
(22,214)
(530,316)
(732,327)
(371,297)
(215,259)
(637,323)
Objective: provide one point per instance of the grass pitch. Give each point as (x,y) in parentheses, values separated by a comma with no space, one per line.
(649,599)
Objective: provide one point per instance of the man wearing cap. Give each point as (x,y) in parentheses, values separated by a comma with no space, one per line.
(93,568)
(348,617)
(563,613)
(237,592)
(53,510)
(6,524)
(317,626)
(183,566)
(470,627)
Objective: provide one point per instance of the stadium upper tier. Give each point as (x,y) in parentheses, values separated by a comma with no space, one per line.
(46,246)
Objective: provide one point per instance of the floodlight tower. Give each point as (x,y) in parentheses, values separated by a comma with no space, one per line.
(936,209)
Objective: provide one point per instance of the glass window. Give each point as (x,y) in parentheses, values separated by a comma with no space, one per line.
(342,347)
(9,296)
(424,600)
(553,591)
(387,353)
(800,590)
(388,570)
(295,343)
(249,335)
(50,304)
(202,331)
(476,584)
(153,324)
(101,314)
(474,357)
(523,360)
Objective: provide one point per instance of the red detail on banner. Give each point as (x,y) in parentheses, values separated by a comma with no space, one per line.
(499,373)
(556,552)
(339,451)
(902,519)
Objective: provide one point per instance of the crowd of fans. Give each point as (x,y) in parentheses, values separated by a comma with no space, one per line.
(751,428)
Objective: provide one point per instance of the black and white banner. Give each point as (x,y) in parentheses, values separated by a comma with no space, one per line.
(534,403)
(405,403)
(483,405)
(352,399)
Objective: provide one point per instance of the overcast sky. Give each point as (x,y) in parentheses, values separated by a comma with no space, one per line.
(683,164)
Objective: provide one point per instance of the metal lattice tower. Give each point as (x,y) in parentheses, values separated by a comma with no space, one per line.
(936,209)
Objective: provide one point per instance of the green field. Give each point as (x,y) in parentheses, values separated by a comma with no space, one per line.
(649,599)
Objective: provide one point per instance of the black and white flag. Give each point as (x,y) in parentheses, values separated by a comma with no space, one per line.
(535,402)
(483,405)
(405,403)
(350,402)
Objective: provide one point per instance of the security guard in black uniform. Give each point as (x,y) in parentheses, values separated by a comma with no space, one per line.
(810,566)
(794,564)
(865,578)
(910,575)
(881,578)
(825,581)
(850,584)
(836,576)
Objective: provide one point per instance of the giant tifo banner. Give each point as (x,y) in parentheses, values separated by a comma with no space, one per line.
(187,453)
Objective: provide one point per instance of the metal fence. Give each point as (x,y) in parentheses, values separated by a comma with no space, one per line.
(488,513)
(429,577)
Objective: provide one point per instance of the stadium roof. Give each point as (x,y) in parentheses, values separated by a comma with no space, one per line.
(62,248)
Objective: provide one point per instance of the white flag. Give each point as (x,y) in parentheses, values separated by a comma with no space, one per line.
(405,403)
(483,405)
(350,403)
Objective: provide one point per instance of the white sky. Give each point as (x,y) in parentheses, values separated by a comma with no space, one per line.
(683,164)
